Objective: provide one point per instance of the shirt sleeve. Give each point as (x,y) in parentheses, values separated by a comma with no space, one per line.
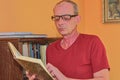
(99,59)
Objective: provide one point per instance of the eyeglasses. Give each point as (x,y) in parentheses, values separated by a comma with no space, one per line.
(66,17)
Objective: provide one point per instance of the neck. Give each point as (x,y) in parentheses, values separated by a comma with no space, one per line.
(68,40)
(70,37)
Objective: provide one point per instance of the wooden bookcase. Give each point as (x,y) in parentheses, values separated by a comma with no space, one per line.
(9,68)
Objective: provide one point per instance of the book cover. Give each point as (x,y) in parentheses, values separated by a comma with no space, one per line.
(35,66)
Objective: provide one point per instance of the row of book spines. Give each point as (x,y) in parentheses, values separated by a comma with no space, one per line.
(35,50)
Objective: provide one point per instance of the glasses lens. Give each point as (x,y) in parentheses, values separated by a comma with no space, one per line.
(55,18)
(66,17)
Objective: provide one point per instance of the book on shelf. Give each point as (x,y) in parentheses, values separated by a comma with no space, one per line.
(35,50)
(25,49)
(43,53)
(35,66)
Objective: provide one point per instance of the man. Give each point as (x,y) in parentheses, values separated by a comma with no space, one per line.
(76,56)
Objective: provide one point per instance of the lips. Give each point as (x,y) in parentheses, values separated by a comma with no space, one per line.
(61,29)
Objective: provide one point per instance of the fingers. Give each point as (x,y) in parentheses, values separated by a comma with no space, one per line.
(30,76)
(51,69)
(55,72)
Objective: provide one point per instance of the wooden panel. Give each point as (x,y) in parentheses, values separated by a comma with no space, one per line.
(9,68)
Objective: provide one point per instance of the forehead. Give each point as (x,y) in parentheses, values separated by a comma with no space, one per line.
(64,8)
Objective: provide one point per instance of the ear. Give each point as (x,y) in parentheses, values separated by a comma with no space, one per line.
(78,19)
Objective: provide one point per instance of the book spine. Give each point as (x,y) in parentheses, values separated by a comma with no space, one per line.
(31,50)
(25,50)
(38,51)
(43,53)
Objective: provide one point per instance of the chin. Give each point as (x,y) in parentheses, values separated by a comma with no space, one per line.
(64,34)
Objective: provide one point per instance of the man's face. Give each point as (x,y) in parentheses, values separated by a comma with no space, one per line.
(65,19)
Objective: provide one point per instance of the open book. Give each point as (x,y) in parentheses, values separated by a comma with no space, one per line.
(35,66)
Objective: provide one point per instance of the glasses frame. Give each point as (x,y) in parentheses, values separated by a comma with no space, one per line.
(62,17)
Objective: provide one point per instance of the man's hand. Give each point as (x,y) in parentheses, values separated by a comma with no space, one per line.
(57,75)
(31,76)
(55,72)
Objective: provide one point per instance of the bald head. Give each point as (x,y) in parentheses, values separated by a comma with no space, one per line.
(73,4)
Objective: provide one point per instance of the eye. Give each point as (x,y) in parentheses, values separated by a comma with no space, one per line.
(55,18)
(66,17)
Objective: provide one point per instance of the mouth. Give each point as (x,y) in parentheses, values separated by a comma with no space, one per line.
(61,29)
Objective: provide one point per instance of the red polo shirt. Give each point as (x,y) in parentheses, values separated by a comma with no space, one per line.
(84,57)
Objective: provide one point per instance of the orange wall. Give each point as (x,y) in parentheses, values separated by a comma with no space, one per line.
(34,16)
(109,33)
(29,16)
(26,16)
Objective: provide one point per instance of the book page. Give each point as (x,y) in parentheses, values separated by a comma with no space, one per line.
(14,51)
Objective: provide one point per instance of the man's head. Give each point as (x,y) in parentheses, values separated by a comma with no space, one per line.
(66,17)
(74,5)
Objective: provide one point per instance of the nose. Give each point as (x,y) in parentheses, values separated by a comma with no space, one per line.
(61,21)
